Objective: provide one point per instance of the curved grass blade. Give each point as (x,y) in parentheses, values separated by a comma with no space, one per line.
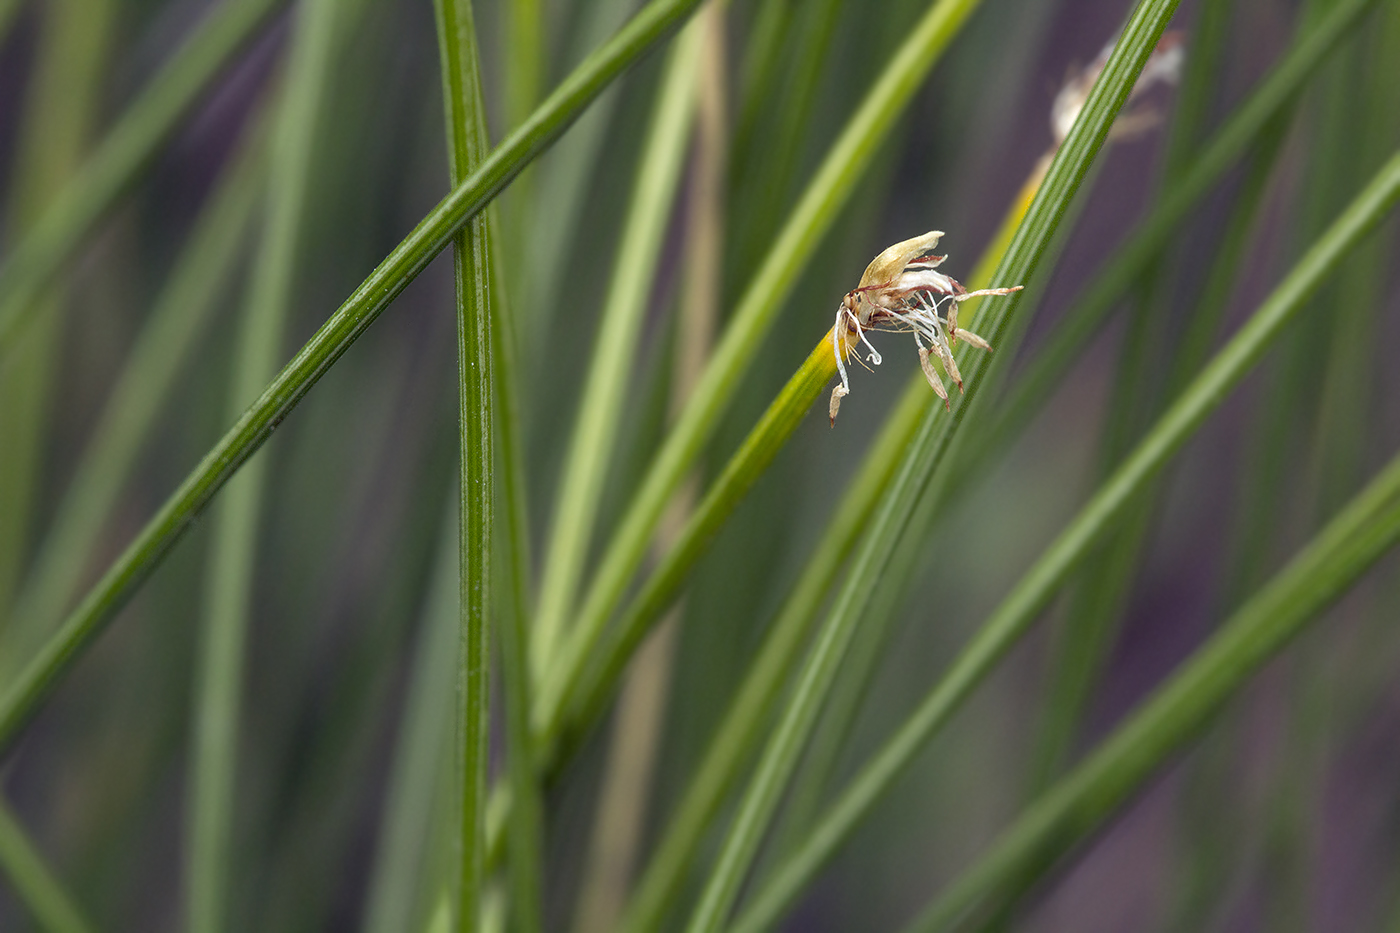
(600,409)
(1015,614)
(1177,711)
(126,150)
(344,327)
(807,224)
(33,882)
(780,757)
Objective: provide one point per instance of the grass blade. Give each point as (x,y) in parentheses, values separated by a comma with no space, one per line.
(60,111)
(123,154)
(33,882)
(233,549)
(636,735)
(181,313)
(513,615)
(343,328)
(1322,572)
(1015,614)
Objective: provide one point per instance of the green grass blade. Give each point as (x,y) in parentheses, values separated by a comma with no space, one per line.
(343,328)
(123,154)
(233,548)
(60,110)
(828,191)
(632,778)
(780,756)
(33,882)
(1015,614)
(467,147)
(513,618)
(182,312)
(587,463)
(561,186)
(1177,711)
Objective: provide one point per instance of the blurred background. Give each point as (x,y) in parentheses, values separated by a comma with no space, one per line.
(1283,817)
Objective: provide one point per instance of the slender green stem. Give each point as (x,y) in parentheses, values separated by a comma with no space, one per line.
(1177,711)
(589,457)
(809,221)
(233,549)
(343,328)
(33,882)
(467,147)
(1015,614)
(181,313)
(813,683)
(123,154)
(560,189)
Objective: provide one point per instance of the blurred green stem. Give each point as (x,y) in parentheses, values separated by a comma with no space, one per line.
(642,708)
(33,882)
(60,111)
(200,275)
(233,549)
(403,877)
